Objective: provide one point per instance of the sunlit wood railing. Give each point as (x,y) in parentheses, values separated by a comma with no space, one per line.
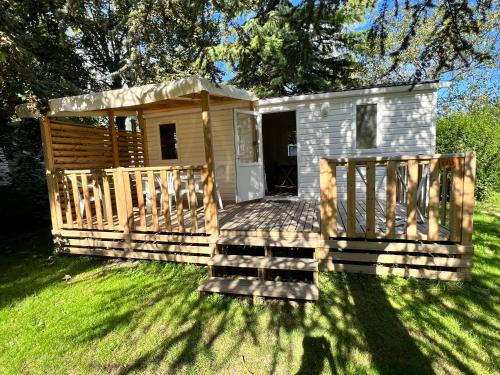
(140,199)
(428,198)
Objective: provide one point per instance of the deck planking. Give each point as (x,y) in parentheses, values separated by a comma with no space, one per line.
(299,216)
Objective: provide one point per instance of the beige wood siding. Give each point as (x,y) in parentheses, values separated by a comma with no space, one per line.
(190,147)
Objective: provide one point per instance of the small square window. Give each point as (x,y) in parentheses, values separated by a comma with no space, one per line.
(366,126)
(168,139)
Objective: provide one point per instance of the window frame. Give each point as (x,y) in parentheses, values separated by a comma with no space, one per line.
(176,140)
(378,137)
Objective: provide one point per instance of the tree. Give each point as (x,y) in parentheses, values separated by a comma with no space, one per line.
(30,35)
(127,42)
(287,48)
(422,39)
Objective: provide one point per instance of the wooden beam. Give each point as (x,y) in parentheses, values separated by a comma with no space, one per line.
(114,139)
(210,194)
(145,145)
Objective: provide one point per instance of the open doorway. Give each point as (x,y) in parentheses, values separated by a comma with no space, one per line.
(279,137)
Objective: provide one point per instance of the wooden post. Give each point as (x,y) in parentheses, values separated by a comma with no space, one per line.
(391,192)
(49,168)
(210,194)
(433,225)
(145,145)
(114,139)
(456,200)
(328,199)
(411,215)
(468,197)
(370,199)
(351,199)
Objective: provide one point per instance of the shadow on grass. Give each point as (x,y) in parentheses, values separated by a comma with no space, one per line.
(410,326)
(25,269)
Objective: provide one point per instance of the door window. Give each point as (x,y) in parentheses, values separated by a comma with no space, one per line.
(247,138)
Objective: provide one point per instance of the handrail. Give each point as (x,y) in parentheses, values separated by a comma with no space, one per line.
(437,206)
(397,158)
(131,169)
(133,199)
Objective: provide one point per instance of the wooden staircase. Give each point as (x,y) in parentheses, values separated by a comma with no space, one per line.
(258,272)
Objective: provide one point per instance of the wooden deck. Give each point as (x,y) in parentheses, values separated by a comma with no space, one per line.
(302,216)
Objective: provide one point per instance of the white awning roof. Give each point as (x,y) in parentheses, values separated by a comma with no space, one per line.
(127,101)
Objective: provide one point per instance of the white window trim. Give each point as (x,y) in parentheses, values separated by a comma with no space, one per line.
(378,141)
(160,123)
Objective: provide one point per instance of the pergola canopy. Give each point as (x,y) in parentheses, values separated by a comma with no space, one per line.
(180,93)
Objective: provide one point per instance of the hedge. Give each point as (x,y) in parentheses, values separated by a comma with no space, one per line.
(479,131)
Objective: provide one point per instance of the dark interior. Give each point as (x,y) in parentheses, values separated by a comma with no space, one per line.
(280,147)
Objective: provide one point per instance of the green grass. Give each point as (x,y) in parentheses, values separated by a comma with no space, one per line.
(146,317)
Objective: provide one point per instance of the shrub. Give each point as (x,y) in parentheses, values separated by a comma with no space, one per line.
(478,131)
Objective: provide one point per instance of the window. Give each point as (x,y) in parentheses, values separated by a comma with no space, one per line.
(366,126)
(168,139)
(248,138)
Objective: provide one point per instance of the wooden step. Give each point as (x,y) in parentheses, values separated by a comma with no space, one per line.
(272,263)
(266,241)
(260,288)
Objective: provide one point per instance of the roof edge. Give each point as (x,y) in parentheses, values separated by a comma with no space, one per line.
(433,85)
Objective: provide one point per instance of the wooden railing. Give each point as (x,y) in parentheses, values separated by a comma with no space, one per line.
(429,198)
(144,199)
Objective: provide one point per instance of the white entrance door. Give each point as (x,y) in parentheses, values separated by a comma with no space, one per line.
(249,164)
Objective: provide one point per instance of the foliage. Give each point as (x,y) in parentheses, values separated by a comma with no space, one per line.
(35,54)
(478,130)
(425,38)
(129,42)
(25,199)
(147,318)
(291,49)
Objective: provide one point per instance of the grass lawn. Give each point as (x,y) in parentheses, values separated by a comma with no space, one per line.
(146,317)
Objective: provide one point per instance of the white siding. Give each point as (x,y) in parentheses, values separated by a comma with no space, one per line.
(191,149)
(405,125)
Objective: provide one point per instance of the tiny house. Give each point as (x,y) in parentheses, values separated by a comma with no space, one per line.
(266,193)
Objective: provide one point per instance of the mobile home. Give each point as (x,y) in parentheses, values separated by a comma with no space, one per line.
(268,192)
